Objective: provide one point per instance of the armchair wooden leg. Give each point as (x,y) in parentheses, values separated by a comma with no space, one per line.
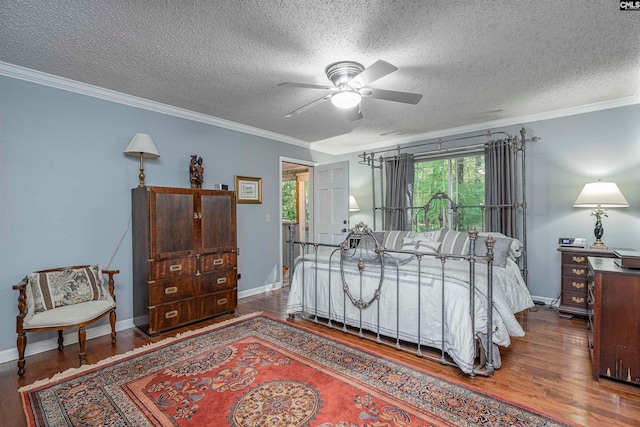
(22,345)
(60,340)
(112,320)
(82,337)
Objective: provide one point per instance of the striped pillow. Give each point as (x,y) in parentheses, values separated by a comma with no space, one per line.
(454,242)
(422,246)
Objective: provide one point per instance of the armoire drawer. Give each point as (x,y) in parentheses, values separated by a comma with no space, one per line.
(217,262)
(218,281)
(171,315)
(168,290)
(176,267)
(218,303)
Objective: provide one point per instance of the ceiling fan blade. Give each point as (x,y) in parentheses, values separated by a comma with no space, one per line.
(372,73)
(392,95)
(308,106)
(354,113)
(308,86)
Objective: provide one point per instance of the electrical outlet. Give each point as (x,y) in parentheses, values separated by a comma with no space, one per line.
(268,218)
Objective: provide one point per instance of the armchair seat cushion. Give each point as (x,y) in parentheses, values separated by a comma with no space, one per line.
(70,315)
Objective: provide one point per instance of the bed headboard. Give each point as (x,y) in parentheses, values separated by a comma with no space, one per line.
(440,211)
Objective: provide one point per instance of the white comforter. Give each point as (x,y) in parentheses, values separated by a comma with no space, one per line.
(510,296)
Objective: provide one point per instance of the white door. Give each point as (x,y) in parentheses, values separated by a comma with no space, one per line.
(331,198)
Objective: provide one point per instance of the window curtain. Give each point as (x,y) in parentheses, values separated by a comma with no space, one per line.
(399,192)
(500,186)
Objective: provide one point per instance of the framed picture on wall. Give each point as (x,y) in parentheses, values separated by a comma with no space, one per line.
(248,190)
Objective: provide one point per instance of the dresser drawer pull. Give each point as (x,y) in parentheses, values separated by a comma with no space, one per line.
(578,259)
(175,267)
(222,280)
(218,261)
(171,290)
(577,300)
(171,314)
(578,271)
(577,285)
(222,301)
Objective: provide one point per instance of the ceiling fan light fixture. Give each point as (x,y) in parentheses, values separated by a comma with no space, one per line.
(347,98)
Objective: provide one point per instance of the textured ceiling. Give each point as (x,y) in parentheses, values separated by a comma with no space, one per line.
(474,62)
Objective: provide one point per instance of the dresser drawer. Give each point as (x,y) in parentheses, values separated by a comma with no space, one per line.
(574,284)
(171,315)
(218,281)
(217,262)
(163,291)
(218,303)
(176,267)
(575,270)
(575,299)
(574,259)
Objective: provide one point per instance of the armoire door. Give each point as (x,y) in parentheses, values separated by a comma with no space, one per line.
(172,217)
(216,214)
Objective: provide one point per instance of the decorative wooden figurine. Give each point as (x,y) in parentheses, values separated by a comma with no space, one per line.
(197,172)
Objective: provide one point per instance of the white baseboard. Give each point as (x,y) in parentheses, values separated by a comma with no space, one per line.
(259,290)
(70,337)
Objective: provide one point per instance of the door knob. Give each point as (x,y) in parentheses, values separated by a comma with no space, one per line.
(344,230)
(344,222)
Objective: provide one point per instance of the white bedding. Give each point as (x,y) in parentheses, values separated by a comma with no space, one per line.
(510,296)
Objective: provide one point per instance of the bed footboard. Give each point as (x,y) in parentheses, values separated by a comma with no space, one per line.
(417,299)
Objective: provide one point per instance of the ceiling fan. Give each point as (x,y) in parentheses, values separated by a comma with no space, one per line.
(350,80)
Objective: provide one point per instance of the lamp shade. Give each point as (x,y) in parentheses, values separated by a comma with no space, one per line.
(601,194)
(142,145)
(353,205)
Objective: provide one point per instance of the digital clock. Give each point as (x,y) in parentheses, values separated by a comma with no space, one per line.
(575,242)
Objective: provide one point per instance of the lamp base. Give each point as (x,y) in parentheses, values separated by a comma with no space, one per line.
(599,246)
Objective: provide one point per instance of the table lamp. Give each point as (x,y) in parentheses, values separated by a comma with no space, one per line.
(142,145)
(600,195)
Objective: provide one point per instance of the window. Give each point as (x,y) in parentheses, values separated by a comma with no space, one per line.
(462,178)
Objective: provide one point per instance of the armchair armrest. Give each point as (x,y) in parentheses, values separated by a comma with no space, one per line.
(22,302)
(111,273)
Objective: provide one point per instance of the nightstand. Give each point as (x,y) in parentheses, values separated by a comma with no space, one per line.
(573,278)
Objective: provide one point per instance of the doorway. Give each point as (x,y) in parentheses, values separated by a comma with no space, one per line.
(296,207)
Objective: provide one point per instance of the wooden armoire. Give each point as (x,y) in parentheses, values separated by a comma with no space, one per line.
(184,256)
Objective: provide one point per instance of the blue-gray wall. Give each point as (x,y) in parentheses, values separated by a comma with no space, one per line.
(65,187)
(571,152)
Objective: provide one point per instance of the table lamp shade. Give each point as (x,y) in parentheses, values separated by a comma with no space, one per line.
(601,194)
(142,144)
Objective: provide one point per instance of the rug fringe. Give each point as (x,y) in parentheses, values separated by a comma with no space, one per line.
(75,371)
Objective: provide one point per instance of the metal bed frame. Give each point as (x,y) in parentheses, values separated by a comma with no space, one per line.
(367,241)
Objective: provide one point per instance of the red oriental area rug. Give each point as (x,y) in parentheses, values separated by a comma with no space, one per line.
(257,371)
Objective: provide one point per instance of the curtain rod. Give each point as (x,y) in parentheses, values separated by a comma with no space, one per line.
(439,142)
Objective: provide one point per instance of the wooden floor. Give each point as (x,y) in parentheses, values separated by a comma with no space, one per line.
(549,369)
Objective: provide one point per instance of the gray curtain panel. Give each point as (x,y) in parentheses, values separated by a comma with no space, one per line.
(500,186)
(399,192)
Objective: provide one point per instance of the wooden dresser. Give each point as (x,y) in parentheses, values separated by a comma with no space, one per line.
(614,319)
(573,276)
(184,256)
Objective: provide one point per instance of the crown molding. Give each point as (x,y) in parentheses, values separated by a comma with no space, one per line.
(493,124)
(45,79)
